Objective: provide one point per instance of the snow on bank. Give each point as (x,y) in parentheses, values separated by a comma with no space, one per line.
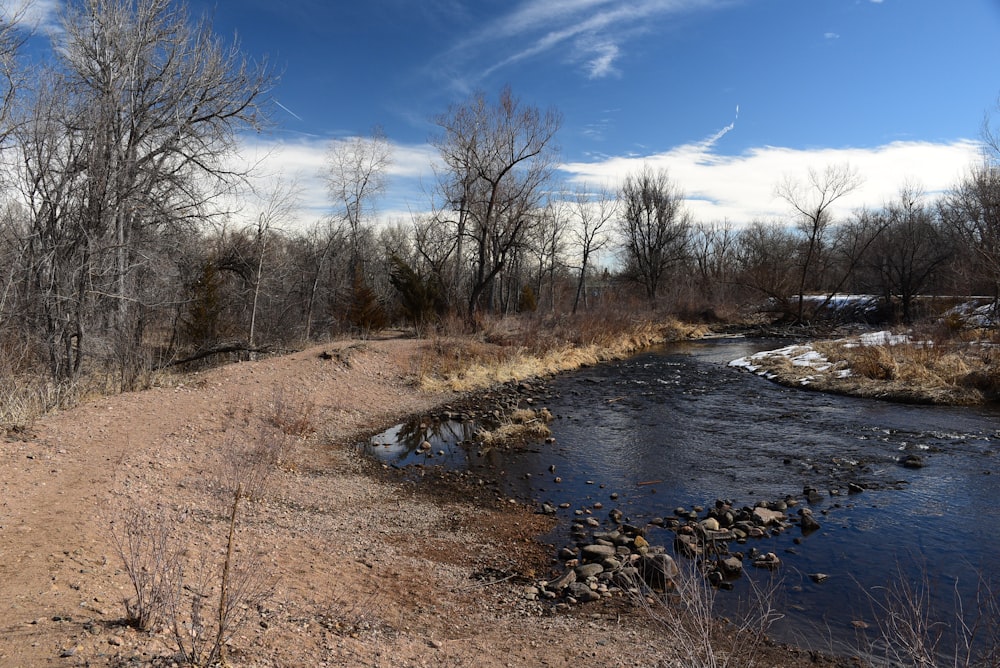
(808,361)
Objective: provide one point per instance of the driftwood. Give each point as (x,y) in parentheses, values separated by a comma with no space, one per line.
(221,349)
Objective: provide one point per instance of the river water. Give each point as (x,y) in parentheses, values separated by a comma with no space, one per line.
(676,426)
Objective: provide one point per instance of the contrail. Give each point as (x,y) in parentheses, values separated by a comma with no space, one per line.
(288,110)
(708,143)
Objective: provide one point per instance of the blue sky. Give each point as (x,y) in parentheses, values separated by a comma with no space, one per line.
(896,88)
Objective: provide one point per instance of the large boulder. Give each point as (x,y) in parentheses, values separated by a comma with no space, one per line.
(657,570)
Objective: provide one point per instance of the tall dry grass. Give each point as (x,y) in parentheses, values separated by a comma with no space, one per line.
(513,349)
(930,367)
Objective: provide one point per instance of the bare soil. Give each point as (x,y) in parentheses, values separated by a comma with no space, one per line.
(367,568)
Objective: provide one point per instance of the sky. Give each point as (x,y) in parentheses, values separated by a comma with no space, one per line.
(732,97)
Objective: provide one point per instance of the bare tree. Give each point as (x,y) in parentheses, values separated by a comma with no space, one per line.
(278,206)
(11,40)
(811,200)
(357,175)
(654,227)
(158,100)
(497,158)
(972,210)
(593,213)
(713,252)
(547,247)
(908,251)
(763,250)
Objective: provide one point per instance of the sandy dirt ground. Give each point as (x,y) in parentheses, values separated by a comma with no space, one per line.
(364,568)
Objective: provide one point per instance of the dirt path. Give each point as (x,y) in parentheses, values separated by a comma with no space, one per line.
(365,571)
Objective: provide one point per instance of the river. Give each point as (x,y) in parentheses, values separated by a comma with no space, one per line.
(675,426)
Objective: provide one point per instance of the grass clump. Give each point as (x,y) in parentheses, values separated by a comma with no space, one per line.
(521,424)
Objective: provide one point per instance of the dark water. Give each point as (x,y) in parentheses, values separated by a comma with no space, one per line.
(678,427)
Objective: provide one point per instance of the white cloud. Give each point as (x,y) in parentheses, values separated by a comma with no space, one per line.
(32,14)
(739,188)
(742,187)
(304,161)
(831,35)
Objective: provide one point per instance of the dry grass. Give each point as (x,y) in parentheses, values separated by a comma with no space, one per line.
(946,371)
(521,424)
(513,350)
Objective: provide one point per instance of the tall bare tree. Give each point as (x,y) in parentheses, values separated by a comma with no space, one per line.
(357,174)
(654,227)
(146,118)
(593,212)
(497,157)
(811,201)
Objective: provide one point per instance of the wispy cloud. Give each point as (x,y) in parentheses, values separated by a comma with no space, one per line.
(831,35)
(588,34)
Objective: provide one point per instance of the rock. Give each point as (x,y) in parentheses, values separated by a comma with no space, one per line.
(567,553)
(912,462)
(582,592)
(710,524)
(687,545)
(566,579)
(731,566)
(854,488)
(641,543)
(657,569)
(611,564)
(627,577)
(548,509)
(585,571)
(769,560)
(766,516)
(596,552)
(819,577)
(808,523)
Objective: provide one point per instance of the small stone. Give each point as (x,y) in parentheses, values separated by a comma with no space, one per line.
(819,577)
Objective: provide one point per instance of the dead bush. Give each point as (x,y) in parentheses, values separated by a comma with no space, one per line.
(290,413)
(910,630)
(142,538)
(698,636)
